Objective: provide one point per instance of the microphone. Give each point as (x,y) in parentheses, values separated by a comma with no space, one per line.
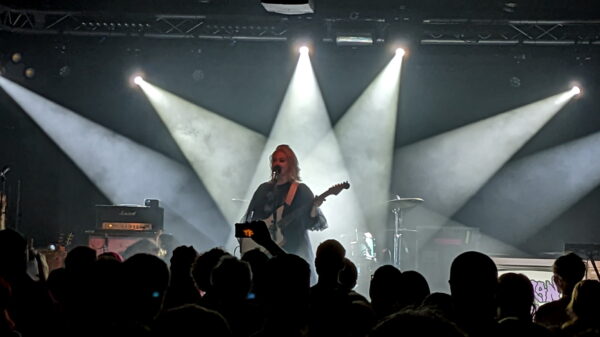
(275,171)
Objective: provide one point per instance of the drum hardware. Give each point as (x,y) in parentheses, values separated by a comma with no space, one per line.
(399,207)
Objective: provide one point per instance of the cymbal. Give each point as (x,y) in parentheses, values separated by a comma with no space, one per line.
(404,203)
(553,254)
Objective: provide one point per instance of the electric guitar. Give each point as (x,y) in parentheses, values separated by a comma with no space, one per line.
(277,228)
(55,257)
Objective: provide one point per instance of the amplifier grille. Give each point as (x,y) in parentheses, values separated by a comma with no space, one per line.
(126,226)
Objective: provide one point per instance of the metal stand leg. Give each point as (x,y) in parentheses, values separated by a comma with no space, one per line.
(405,239)
(398,244)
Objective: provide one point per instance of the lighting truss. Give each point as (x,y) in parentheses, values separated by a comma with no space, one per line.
(352,32)
(440,31)
(507,32)
(150,26)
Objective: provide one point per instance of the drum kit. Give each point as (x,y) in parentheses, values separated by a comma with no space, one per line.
(363,247)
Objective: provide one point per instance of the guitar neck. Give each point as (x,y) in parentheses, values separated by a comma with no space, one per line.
(317,200)
(321,197)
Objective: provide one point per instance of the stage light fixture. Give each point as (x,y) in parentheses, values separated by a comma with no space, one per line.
(400,52)
(64,71)
(136,78)
(289,7)
(515,82)
(16,57)
(303,50)
(354,39)
(198,75)
(29,72)
(575,91)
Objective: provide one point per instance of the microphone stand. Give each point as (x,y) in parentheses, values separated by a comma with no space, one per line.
(3,201)
(18,207)
(105,244)
(275,175)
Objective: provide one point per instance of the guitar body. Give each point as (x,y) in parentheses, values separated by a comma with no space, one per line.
(247,244)
(274,228)
(276,223)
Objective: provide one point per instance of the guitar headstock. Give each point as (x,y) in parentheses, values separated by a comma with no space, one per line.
(65,240)
(337,188)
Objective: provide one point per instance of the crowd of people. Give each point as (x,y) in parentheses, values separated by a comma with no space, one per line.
(213,293)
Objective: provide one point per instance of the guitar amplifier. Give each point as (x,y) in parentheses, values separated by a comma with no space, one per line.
(130,218)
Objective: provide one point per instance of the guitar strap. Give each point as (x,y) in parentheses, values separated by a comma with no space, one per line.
(291,193)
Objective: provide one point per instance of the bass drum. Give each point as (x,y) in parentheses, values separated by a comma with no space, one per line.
(364,248)
(363,252)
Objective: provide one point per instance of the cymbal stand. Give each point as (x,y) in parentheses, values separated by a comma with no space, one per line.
(398,220)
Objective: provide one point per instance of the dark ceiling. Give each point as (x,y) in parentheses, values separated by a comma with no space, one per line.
(474,9)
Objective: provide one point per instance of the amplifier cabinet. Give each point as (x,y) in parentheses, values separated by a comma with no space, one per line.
(129,218)
(117,242)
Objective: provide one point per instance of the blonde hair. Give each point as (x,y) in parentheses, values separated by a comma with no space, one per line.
(289,154)
(583,304)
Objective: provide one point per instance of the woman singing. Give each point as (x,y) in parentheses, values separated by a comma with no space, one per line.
(289,203)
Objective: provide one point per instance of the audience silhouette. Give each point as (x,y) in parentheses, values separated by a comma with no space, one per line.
(266,295)
(286,298)
(385,291)
(329,301)
(231,282)
(515,299)
(414,289)
(568,270)
(182,289)
(583,308)
(29,305)
(416,323)
(7,325)
(473,284)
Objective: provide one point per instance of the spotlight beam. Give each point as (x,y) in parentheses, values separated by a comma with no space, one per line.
(219,150)
(366,135)
(448,169)
(125,171)
(528,194)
